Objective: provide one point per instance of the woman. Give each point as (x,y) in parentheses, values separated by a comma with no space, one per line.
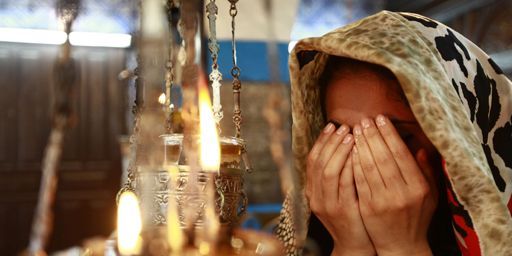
(423,150)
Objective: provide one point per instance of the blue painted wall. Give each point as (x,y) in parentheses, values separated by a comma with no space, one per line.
(253,60)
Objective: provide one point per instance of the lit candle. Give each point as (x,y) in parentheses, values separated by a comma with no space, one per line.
(210,162)
(175,236)
(209,139)
(129,224)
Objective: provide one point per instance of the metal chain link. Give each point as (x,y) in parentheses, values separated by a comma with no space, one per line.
(235,72)
(237,86)
(136,110)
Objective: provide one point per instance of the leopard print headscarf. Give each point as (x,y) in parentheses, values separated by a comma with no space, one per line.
(459,96)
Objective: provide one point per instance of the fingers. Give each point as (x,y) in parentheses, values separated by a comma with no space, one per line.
(347,187)
(321,140)
(313,155)
(333,169)
(401,154)
(325,161)
(332,172)
(363,189)
(382,157)
(367,164)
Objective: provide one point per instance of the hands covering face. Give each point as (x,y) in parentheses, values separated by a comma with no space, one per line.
(369,191)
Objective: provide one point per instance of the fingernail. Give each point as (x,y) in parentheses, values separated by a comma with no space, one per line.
(365,123)
(341,130)
(357,130)
(347,139)
(328,128)
(336,124)
(380,120)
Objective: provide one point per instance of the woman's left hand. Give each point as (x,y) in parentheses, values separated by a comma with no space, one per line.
(397,198)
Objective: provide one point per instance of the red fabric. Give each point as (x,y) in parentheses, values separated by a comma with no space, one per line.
(472,245)
(510,205)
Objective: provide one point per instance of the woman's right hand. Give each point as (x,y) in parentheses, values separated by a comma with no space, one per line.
(332,194)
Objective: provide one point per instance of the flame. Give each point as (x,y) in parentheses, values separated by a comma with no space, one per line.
(210,161)
(161,98)
(175,236)
(129,224)
(209,139)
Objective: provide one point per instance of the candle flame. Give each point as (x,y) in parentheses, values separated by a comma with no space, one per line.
(175,236)
(129,224)
(209,140)
(161,98)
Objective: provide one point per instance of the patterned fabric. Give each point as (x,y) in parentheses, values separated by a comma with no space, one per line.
(460,98)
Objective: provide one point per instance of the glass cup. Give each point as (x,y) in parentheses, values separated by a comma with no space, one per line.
(172,148)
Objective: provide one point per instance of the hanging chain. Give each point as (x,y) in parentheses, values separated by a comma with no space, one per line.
(136,110)
(169,108)
(237,86)
(169,74)
(64,72)
(215,75)
(235,72)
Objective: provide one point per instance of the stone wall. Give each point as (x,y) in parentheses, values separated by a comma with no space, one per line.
(263,184)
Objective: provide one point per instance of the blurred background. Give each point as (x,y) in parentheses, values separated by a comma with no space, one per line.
(95,150)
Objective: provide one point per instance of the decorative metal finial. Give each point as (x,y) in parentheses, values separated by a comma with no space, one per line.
(213,46)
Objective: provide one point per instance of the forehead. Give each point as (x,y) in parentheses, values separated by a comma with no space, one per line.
(352,96)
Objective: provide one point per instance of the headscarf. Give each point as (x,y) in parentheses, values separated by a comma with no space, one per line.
(459,96)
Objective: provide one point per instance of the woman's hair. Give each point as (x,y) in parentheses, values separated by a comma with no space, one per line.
(336,67)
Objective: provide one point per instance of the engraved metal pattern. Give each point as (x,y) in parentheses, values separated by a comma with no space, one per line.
(188,189)
(231,200)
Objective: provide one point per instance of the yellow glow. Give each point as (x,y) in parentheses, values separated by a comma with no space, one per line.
(209,140)
(129,224)
(175,236)
(204,248)
(161,98)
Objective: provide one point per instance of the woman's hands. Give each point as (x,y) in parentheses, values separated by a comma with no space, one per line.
(395,199)
(332,194)
(388,209)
